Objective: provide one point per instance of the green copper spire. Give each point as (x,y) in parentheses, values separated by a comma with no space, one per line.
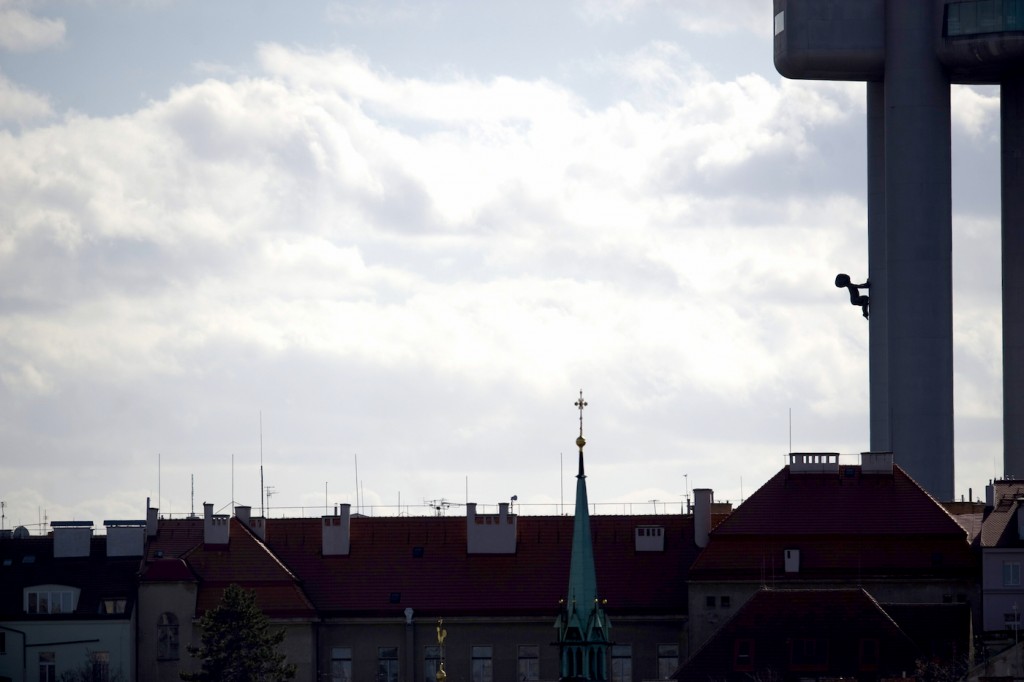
(582,625)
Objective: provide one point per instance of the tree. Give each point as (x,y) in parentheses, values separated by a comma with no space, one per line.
(238,644)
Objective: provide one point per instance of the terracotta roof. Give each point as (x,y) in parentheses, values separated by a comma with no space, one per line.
(844,524)
(1000,526)
(244,561)
(422,562)
(773,620)
(167,570)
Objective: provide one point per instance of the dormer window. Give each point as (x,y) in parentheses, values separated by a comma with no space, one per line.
(50,599)
(113,606)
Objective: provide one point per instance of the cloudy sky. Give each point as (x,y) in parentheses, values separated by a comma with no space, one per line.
(402,236)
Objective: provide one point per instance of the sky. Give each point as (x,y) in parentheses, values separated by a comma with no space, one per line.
(377,249)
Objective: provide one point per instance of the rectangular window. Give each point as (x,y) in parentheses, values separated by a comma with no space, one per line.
(167,637)
(47,666)
(341,664)
(725,600)
(743,655)
(431,662)
(622,663)
(529,662)
(668,660)
(99,661)
(387,664)
(112,607)
(1011,573)
(481,665)
(3,642)
(39,601)
(1012,620)
(709,602)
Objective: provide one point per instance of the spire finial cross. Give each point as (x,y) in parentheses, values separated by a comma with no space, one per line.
(580,404)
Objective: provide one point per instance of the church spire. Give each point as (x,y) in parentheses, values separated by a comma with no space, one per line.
(582,625)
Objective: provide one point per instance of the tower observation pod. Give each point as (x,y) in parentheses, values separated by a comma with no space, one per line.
(908,53)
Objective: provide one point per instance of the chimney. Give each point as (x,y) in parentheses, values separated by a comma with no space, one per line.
(242,513)
(215,526)
(151,520)
(71,538)
(703,498)
(335,532)
(876,463)
(490,533)
(990,495)
(125,538)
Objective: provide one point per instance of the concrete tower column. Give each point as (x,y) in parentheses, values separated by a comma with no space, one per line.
(1012,143)
(878,331)
(919,246)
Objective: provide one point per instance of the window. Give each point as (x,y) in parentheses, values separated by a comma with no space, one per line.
(113,606)
(167,637)
(50,601)
(99,662)
(387,664)
(725,601)
(808,654)
(47,666)
(1012,620)
(622,663)
(668,660)
(431,662)
(1011,573)
(709,602)
(529,662)
(743,655)
(3,642)
(481,664)
(341,664)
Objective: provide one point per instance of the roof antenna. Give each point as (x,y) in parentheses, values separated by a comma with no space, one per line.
(262,510)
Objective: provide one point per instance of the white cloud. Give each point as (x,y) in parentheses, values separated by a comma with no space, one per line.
(21,31)
(20,105)
(416,265)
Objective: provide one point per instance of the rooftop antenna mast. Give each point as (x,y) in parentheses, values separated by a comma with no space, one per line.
(270,491)
(262,511)
(3,514)
(193,513)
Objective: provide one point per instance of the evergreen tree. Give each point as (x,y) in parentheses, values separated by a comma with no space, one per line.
(237,643)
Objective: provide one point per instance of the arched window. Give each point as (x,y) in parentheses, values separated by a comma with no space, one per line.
(167,637)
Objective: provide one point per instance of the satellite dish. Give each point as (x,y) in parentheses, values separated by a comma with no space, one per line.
(21,533)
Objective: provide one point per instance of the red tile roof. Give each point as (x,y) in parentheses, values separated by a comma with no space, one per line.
(844,524)
(1000,526)
(772,620)
(244,561)
(385,572)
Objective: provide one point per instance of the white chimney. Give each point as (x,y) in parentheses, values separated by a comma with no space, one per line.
(703,498)
(71,538)
(125,538)
(215,526)
(336,539)
(491,533)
